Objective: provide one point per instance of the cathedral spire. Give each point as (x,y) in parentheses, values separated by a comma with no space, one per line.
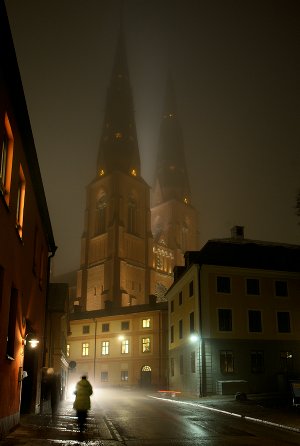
(171,179)
(119,146)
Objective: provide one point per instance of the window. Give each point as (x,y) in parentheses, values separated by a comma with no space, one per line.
(6,158)
(172,334)
(226,361)
(223,284)
(20,202)
(180,298)
(124,375)
(193,362)
(281,289)
(180,329)
(12,320)
(257,362)
(252,286)
(192,322)
(105,328)
(254,320)
(125,346)
(191,289)
(132,216)
(125,325)
(105,348)
(283,322)
(146,346)
(225,319)
(172,366)
(172,306)
(181,364)
(104,376)
(85,349)
(101,217)
(68,350)
(85,329)
(146,323)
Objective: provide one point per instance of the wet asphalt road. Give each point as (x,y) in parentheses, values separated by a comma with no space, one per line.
(136,419)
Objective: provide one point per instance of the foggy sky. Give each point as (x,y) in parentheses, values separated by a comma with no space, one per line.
(235,66)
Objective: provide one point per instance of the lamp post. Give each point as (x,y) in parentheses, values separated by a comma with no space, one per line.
(195,337)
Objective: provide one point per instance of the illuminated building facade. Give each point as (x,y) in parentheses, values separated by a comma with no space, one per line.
(26,245)
(128,250)
(234,318)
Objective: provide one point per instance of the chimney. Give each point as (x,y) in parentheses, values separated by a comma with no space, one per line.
(237,232)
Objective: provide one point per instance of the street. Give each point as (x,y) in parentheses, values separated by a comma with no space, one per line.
(137,419)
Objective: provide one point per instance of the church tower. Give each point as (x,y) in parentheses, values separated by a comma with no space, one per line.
(174,219)
(117,239)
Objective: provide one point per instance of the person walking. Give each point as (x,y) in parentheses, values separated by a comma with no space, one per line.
(82,401)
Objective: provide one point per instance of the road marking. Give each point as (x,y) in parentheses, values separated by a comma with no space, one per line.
(115,434)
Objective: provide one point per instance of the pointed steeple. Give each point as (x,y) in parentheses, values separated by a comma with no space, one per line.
(119,146)
(171,179)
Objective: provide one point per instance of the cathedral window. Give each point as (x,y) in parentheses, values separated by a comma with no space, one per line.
(101,211)
(132,216)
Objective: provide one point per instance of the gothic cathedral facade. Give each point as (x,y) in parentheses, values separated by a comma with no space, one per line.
(130,245)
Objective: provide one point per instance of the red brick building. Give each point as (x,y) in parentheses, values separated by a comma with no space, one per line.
(26,246)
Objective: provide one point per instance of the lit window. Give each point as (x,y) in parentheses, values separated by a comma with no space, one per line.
(226,361)
(101,172)
(20,202)
(68,350)
(118,135)
(133,172)
(6,157)
(185,200)
(85,349)
(105,348)
(146,323)
(124,346)
(146,346)
(124,375)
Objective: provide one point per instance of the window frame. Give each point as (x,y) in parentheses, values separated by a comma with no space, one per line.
(219,284)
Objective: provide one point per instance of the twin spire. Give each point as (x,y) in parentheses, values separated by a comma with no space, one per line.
(119,145)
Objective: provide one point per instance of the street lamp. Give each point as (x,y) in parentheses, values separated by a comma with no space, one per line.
(195,337)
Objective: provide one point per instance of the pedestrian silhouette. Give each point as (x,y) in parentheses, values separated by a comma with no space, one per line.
(53,389)
(82,401)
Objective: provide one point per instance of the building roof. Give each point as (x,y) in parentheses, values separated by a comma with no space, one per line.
(246,253)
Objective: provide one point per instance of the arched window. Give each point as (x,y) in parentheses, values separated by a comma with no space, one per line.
(101,206)
(132,227)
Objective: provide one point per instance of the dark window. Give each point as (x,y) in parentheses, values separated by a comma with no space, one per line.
(125,325)
(254,319)
(223,284)
(180,298)
(105,328)
(12,320)
(192,322)
(257,362)
(253,287)
(191,289)
(180,329)
(283,321)
(172,306)
(104,376)
(132,216)
(281,289)
(225,319)
(193,362)
(85,329)
(172,366)
(226,361)
(181,364)
(172,334)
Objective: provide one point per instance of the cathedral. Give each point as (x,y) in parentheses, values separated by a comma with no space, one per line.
(133,238)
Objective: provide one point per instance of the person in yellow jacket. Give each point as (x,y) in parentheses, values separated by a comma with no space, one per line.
(82,401)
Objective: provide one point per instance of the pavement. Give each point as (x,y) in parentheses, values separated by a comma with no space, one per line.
(43,430)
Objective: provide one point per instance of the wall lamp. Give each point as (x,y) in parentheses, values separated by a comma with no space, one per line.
(31,339)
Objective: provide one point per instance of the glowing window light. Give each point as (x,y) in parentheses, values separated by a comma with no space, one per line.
(101,172)
(118,135)
(133,172)
(185,200)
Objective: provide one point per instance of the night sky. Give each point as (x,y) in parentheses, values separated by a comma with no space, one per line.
(235,66)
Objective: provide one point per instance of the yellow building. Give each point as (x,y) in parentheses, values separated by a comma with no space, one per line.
(240,300)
